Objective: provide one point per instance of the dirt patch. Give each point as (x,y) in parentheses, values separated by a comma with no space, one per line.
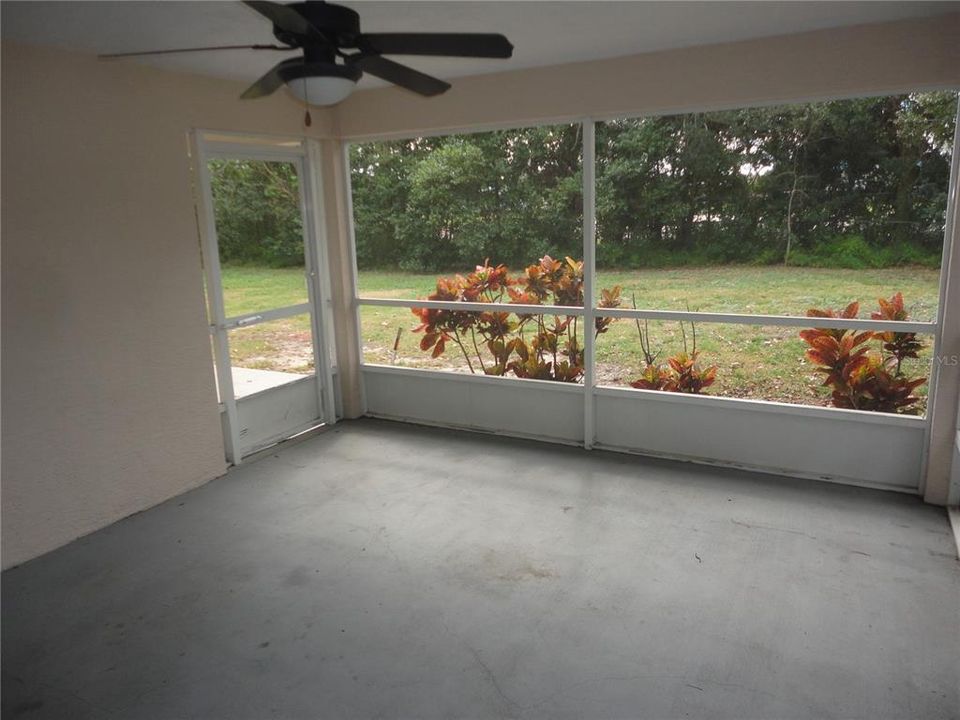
(280,350)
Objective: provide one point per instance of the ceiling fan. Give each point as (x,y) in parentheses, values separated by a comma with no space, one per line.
(336,53)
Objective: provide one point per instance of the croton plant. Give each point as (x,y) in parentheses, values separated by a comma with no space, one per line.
(683,372)
(861,374)
(546,345)
(542,346)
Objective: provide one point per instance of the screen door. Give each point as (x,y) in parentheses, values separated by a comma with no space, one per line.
(265,290)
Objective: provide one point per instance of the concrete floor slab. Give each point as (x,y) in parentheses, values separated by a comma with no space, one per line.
(385,571)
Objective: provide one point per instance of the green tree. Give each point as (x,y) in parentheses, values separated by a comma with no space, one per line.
(850,182)
(257,211)
(447,203)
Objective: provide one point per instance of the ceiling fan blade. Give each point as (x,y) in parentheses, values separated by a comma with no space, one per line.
(401,75)
(111,56)
(270,82)
(285,18)
(486,45)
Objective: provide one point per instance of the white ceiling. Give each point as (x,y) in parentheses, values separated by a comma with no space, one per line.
(543,33)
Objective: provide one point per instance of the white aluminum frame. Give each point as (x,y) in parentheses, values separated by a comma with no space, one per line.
(948,273)
(215,303)
(801,321)
(591,311)
(588,174)
(346,184)
(297,152)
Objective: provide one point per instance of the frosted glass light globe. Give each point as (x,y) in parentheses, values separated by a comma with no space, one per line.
(323,90)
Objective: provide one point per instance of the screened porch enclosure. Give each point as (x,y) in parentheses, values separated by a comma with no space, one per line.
(620,380)
(445,343)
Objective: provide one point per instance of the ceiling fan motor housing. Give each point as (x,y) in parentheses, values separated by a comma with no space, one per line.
(327,74)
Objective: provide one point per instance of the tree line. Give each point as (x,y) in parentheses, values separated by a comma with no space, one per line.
(850,183)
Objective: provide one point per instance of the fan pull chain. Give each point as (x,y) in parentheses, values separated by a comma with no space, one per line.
(307,120)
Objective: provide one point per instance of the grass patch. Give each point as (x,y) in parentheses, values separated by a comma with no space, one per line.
(249,289)
(754,362)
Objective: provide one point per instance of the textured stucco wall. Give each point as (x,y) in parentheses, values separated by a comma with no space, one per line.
(109,403)
(842,62)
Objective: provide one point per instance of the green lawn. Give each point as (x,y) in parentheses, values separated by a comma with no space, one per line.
(283,345)
(250,289)
(754,362)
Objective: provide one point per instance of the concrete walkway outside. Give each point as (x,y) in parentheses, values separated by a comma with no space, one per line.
(247,381)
